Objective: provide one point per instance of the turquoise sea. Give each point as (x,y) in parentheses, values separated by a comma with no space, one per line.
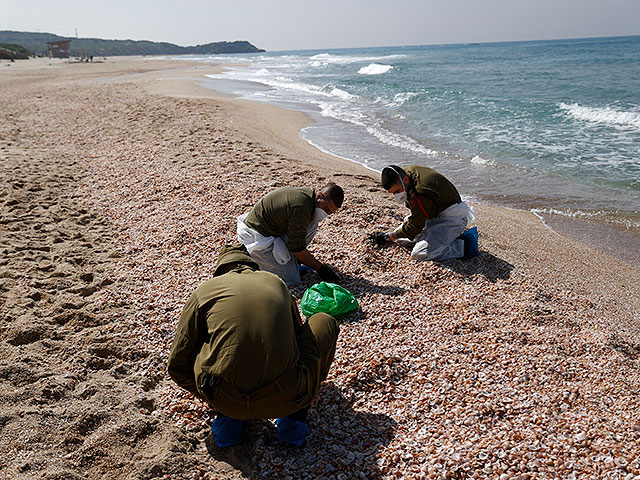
(548,126)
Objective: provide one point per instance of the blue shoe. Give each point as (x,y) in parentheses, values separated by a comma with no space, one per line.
(470,238)
(291,431)
(227,431)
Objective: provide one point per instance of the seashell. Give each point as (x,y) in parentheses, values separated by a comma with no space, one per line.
(621,462)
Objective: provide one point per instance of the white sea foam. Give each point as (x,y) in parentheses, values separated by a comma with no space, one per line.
(400,141)
(606,115)
(375,69)
(221,59)
(292,86)
(478,160)
(593,215)
(342,111)
(400,98)
(287,84)
(313,90)
(327,59)
(351,114)
(337,92)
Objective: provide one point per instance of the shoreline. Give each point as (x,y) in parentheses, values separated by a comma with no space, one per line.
(120,195)
(603,234)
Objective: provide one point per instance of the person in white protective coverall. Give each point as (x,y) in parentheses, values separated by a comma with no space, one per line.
(280,226)
(435,229)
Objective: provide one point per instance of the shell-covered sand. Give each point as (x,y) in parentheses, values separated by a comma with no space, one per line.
(118,189)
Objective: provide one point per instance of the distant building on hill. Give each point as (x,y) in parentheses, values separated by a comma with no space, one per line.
(59,49)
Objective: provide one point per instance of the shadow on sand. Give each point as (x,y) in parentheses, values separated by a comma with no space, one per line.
(339,440)
(486,264)
(358,286)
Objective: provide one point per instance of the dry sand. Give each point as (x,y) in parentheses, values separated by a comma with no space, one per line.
(121,181)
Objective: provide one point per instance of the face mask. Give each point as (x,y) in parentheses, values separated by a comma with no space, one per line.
(320,215)
(400,198)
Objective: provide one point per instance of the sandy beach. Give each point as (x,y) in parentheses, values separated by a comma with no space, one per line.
(120,183)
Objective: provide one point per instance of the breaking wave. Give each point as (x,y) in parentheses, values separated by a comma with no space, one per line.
(327,59)
(605,115)
(374,69)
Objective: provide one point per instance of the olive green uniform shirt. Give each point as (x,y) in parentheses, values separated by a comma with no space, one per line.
(239,326)
(429,194)
(284,210)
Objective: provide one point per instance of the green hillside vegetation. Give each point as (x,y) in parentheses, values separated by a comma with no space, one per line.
(11,51)
(37,43)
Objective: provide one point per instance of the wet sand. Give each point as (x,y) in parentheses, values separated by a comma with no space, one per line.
(120,183)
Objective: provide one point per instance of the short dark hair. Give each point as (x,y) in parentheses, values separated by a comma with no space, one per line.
(333,193)
(391,175)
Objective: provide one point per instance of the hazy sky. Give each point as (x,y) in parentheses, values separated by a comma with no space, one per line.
(300,24)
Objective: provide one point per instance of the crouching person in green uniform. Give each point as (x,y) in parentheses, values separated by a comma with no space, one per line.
(241,347)
(435,229)
(280,226)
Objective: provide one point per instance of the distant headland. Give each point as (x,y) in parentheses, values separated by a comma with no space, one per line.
(37,44)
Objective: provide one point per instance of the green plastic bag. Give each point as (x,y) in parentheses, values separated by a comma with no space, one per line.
(328,298)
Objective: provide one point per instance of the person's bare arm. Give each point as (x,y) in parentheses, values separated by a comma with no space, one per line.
(305,257)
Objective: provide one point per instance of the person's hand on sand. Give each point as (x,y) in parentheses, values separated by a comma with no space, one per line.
(327,274)
(378,238)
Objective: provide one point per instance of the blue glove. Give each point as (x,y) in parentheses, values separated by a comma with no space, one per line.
(227,431)
(291,431)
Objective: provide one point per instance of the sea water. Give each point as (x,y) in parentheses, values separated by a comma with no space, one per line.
(548,126)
